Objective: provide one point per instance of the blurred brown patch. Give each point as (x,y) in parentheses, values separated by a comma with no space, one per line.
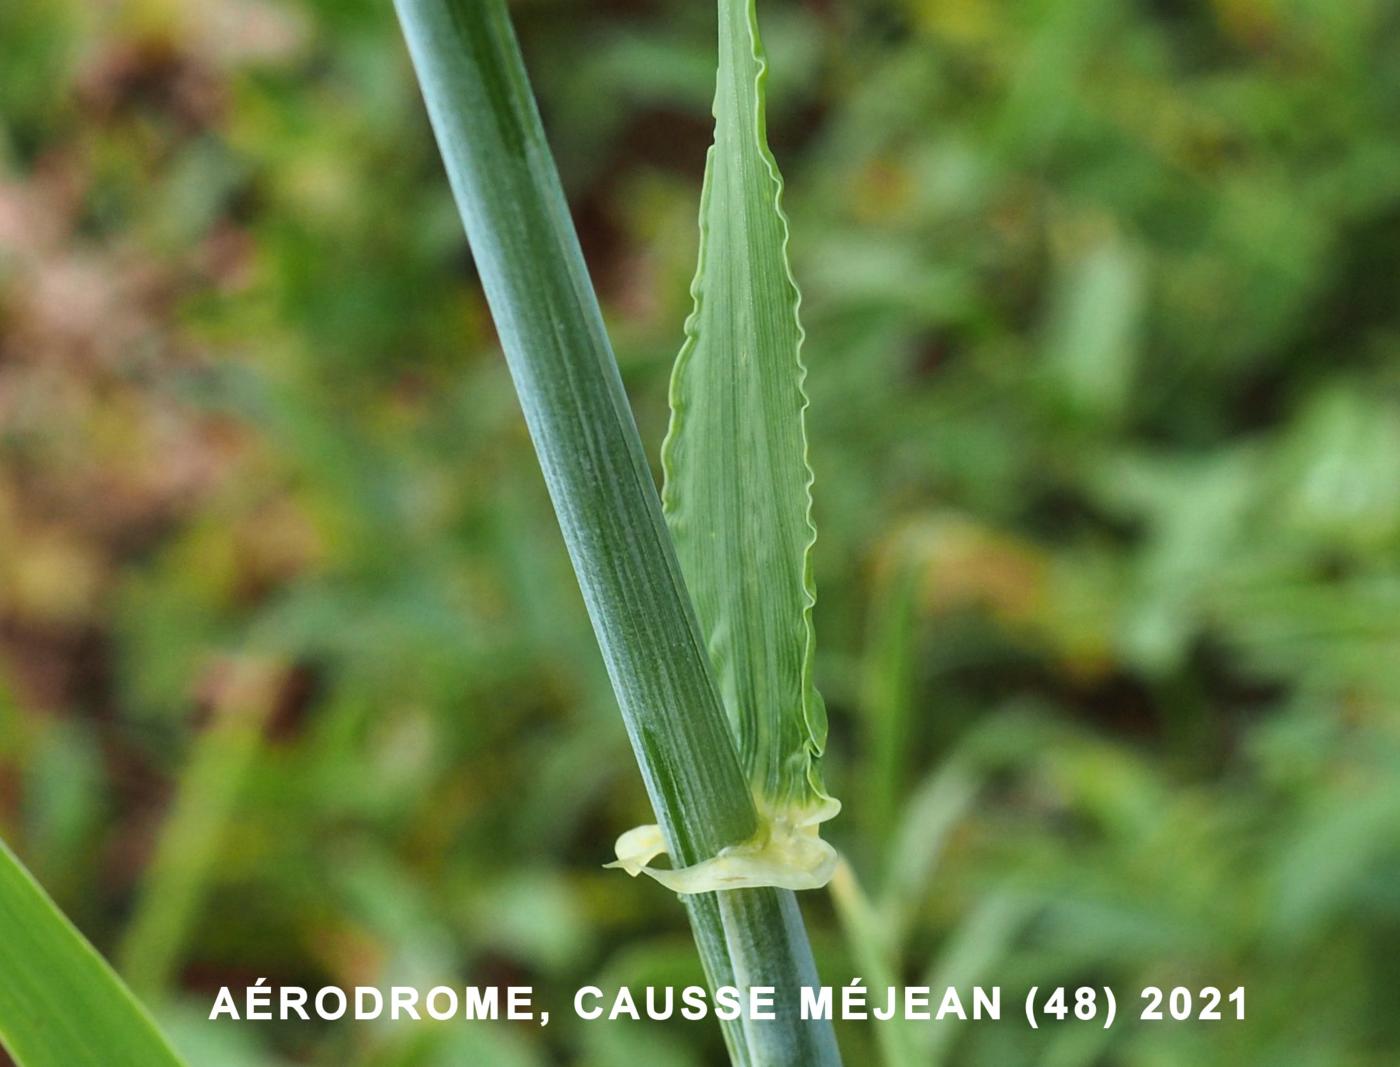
(153,75)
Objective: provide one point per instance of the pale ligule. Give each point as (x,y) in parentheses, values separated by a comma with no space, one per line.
(788,853)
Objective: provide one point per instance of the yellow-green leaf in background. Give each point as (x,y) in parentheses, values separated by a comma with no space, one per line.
(61,1005)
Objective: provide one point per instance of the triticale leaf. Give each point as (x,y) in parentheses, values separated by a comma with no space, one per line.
(738,487)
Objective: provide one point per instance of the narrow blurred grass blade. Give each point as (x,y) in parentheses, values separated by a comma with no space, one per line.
(877,960)
(737,493)
(190,839)
(61,1005)
(969,957)
(489,133)
(887,695)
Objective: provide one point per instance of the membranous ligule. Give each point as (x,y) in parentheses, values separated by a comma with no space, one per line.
(787,852)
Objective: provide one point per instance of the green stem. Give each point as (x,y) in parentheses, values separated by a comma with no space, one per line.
(527,254)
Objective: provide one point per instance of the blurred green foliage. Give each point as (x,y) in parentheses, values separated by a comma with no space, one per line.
(1103,335)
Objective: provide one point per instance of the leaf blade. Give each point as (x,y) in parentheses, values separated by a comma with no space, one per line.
(738,481)
(61,1004)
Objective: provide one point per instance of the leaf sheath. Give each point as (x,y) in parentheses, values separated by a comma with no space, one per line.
(551,329)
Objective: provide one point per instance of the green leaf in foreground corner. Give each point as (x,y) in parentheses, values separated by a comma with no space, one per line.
(738,486)
(61,1005)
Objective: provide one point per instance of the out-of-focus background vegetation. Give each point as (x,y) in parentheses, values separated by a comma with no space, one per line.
(1103,305)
